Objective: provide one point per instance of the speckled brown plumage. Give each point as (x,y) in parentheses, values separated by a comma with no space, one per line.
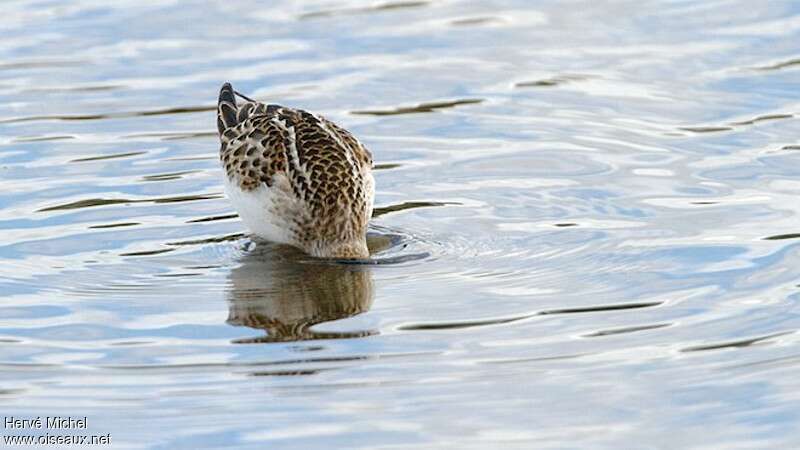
(295,177)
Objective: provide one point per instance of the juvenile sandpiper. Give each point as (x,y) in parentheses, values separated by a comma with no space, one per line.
(294,177)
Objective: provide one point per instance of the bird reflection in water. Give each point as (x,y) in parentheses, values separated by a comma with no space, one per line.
(284,292)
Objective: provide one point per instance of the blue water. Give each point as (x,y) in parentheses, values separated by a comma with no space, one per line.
(587,213)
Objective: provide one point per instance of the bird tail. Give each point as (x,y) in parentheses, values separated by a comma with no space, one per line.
(226,108)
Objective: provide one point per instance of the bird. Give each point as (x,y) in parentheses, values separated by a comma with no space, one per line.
(295,177)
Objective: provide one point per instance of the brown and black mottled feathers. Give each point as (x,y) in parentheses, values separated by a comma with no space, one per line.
(260,140)
(317,176)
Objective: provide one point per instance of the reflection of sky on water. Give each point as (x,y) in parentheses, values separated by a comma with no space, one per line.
(604,195)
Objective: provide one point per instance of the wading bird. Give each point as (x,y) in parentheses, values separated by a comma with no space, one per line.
(294,177)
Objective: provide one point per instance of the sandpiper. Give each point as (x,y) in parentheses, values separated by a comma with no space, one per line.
(294,177)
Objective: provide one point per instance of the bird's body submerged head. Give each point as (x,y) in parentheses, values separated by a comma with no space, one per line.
(296,178)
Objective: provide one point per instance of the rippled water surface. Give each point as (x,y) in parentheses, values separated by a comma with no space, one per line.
(587,225)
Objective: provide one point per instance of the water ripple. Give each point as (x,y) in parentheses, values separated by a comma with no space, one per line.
(565,198)
(418,108)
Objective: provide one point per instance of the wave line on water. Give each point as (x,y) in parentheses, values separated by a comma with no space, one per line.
(382,210)
(368,9)
(111,115)
(418,108)
(779,65)
(740,343)
(626,330)
(506,320)
(730,126)
(780,237)
(213,218)
(764,118)
(115,225)
(110,156)
(551,82)
(210,240)
(168,176)
(92,202)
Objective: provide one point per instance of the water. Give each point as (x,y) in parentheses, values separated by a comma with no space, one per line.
(587,223)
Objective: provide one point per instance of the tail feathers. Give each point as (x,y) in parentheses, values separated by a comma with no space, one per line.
(226,108)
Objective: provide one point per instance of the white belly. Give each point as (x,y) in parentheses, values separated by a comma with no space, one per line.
(265,211)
